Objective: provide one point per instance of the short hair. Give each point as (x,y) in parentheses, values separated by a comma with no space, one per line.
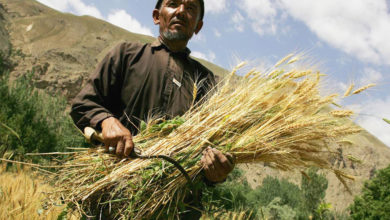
(159,3)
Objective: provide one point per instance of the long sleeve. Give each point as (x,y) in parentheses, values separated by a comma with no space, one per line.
(136,81)
(100,98)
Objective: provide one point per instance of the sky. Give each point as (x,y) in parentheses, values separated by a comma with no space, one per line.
(348,40)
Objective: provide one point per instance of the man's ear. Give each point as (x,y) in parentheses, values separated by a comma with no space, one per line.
(198,27)
(156,16)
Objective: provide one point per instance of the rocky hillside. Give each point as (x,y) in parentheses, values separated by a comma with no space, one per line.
(63,49)
(4,37)
(371,151)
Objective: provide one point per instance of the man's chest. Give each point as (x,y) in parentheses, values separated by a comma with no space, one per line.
(159,84)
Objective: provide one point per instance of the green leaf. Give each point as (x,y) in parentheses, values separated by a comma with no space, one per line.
(386,120)
(63,214)
(143,126)
(11,130)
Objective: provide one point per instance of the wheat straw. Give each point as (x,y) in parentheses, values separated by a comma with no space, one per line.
(363,88)
(342,113)
(349,90)
(283,60)
(268,117)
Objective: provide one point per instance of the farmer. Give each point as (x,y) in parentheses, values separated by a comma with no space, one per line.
(137,81)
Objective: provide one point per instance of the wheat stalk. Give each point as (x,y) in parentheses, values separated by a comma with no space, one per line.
(283,60)
(349,90)
(342,113)
(257,118)
(363,88)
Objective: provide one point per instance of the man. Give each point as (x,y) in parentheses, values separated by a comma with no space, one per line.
(136,81)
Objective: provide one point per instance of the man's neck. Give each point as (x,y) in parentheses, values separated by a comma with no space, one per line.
(174,46)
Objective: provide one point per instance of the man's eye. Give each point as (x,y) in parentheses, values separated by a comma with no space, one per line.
(172,4)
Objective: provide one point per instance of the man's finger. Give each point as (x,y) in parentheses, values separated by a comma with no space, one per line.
(129,146)
(209,162)
(204,164)
(223,160)
(219,170)
(120,147)
(109,144)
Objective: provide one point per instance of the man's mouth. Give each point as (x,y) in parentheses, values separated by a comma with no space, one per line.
(177,21)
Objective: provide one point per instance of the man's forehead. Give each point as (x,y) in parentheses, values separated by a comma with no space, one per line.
(184,1)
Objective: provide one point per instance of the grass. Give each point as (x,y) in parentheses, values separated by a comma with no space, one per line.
(278,117)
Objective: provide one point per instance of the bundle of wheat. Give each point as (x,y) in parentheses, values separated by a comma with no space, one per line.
(278,117)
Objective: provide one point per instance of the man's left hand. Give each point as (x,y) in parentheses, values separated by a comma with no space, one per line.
(216,165)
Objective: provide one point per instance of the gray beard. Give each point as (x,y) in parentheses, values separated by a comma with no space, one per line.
(175,36)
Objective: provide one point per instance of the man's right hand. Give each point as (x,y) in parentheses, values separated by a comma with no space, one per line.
(118,136)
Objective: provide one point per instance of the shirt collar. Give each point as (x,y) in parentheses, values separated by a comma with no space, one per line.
(157,44)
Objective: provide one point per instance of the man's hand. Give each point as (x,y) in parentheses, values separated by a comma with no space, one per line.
(216,166)
(118,136)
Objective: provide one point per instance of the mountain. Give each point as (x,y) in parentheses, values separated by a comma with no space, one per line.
(4,37)
(63,49)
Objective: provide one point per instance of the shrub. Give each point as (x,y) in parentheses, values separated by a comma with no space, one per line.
(31,120)
(277,210)
(231,195)
(313,191)
(274,199)
(272,188)
(374,202)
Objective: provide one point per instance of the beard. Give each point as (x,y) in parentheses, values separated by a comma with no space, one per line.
(177,35)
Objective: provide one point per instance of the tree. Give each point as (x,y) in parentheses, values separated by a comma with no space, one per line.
(31,120)
(313,190)
(272,188)
(374,202)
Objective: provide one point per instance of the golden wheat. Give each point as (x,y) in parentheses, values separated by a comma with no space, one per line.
(22,196)
(349,90)
(284,60)
(363,88)
(342,113)
(257,118)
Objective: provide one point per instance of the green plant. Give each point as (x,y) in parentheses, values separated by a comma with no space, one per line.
(6,64)
(313,190)
(272,188)
(274,199)
(277,210)
(232,195)
(31,120)
(323,209)
(374,202)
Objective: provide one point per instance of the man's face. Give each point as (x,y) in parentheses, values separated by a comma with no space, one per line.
(178,19)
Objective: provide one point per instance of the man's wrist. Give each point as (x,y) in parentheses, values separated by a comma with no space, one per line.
(211,183)
(99,125)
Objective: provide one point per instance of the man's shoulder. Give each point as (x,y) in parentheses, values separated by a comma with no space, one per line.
(202,68)
(128,46)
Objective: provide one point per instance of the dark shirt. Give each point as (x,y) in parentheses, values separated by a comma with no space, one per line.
(135,82)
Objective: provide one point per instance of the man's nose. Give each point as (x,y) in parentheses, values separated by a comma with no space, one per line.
(181,9)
